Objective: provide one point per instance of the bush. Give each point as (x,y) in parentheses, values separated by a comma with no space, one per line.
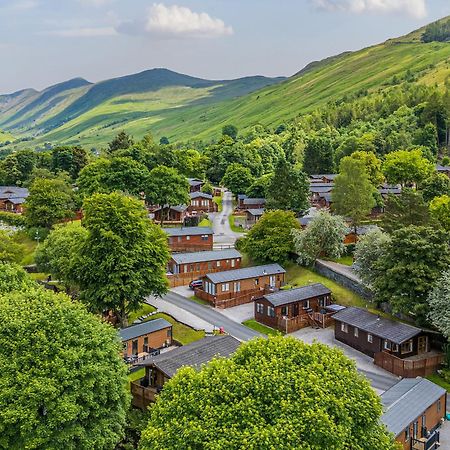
(13,219)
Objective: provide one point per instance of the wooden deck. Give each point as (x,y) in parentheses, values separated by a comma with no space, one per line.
(418,366)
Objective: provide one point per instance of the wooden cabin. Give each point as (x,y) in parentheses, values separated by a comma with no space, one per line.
(161,368)
(414,410)
(323,178)
(146,336)
(397,347)
(12,198)
(185,267)
(253,203)
(172,215)
(252,216)
(443,169)
(293,309)
(236,287)
(201,203)
(195,185)
(190,239)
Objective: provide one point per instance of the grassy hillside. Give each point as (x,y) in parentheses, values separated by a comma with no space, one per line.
(5,137)
(182,107)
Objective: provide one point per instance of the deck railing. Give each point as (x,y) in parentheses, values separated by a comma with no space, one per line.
(408,368)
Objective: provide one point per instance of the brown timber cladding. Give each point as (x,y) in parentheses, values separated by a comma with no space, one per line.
(191,243)
(408,368)
(156,339)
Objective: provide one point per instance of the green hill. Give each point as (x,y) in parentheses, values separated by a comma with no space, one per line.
(182,107)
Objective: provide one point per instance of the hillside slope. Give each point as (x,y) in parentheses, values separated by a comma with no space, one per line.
(79,111)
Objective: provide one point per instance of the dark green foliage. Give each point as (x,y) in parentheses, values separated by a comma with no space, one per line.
(164,141)
(237,179)
(120,142)
(318,158)
(408,208)
(69,159)
(409,267)
(288,189)
(12,219)
(271,238)
(14,278)
(259,188)
(435,186)
(437,31)
(63,383)
(319,401)
(230,131)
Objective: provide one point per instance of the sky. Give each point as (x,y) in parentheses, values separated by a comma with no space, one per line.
(43,42)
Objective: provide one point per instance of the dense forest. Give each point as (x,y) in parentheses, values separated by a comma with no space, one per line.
(438,31)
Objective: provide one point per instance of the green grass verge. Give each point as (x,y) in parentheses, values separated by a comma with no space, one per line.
(145,309)
(218,201)
(436,378)
(260,328)
(133,376)
(198,300)
(300,276)
(29,246)
(346,260)
(236,229)
(205,223)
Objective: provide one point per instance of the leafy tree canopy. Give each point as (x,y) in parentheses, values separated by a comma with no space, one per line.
(323,236)
(121,141)
(440,211)
(271,238)
(435,186)
(237,178)
(63,384)
(439,303)
(260,187)
(10,250)
(14,278)
(317,388)
(230,131)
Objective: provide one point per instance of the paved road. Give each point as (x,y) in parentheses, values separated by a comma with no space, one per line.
(211,316)
(223,234)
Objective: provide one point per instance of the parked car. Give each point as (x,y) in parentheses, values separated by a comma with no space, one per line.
(195,284)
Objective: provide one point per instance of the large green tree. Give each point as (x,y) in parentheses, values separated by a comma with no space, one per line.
(123,258)
(14,278)
(323,236)
(440,211)
(49,202)
(62,382)
(237,178)
(271,238)
(288,188)
(439,303)
(121,142)
(405,209)
(166,187)
(435,186)
(69,159)
(318,155)
(10,250)
(353,193)
(409,267)
(318,401)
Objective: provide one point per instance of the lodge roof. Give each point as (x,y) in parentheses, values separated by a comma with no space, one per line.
(188,231)
(243,274)
(13,192)
(285,297)
(201,195)
(194,182)
(194,257)
(178,208)
(391,330)
(255,212)
(407,400)
(147,327)
(194,354)
(254,201)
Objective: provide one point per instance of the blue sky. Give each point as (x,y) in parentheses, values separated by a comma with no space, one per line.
(43,42)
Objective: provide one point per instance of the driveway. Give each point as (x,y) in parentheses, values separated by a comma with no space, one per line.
(239,313)
(190,312)
(380,379)
(224,236)
(444,435)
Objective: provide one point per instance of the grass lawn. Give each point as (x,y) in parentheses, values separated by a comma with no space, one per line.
(240,219)
(299,276)
(436,378)
(346,260)
(218,200)
(29,246)
(198,300)
(205,223)
(180,332)
(260,328)
(133,376)
(145,309)
(39,276)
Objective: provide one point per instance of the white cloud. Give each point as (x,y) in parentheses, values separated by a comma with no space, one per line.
(413,8)
(179,21)
(84,32)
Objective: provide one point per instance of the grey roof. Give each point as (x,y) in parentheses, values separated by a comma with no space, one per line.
(194,182)
(200,194)
(194,354)
(248,272)
(407,400)
(396,332)
(390,189)
(254,201)
(179,208)
(256,211)
(143,328)
(328,176)
(16,200)
(361,230)
(241,196)
(320,189)
(10,192)
(440,168)
(327,196)
(313,183)
(188,231)
(194,257)
(298,294)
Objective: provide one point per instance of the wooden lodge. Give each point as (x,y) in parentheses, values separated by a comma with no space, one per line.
(190,239)
(12,198)
(161,368)
(323,178)
(443,169)
(171,215)
(185,267)
(290,310)
(252,216)
(201,203)
(145,337)
(414,410)
(397,347)
(236,287)
(195,185)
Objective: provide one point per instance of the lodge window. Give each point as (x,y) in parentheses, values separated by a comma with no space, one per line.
(169,332)
(407,347)
(260,308)
(179,238)
(369,338)
(407,435)
(256,281)
(271,311)
(188,238)
(306,304)
(218,263)
(237,286)
(145,348)
(285,310)
(439,406)
(233,262)
(225,287)
(395,347)
(387,345)
(344,327)
(322,302)
(356,332)
(204,237)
